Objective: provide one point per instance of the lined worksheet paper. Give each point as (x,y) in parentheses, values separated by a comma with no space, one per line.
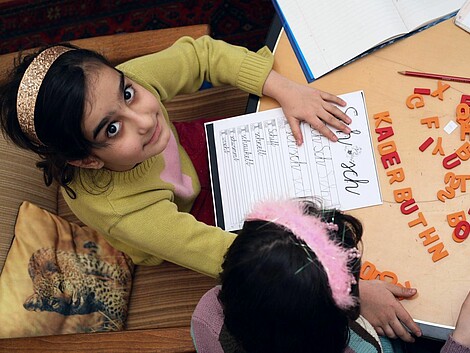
(254,157)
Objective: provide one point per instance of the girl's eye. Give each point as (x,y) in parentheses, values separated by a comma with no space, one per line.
(129,93)
(113,129)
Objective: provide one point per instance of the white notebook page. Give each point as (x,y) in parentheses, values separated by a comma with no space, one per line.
(417,13)
(330,33)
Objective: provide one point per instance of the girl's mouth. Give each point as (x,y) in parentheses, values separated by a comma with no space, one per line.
(155,134)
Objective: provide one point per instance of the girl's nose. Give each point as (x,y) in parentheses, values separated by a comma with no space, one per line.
(143,122)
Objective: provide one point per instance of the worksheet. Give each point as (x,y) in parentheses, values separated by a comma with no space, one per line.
(255,157)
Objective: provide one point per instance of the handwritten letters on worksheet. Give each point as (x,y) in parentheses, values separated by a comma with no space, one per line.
(255,157)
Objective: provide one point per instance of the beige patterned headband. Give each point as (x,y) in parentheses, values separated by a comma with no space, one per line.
(29,88)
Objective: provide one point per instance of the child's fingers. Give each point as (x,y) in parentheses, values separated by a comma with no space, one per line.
(333,121)
(338,114)
(401,292)
(325,131)
(316,123)
(401,332)
(296,132)
(332,98)
(380,331)
(389,332)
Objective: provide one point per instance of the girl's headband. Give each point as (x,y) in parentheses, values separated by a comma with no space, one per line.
(29,88)
(333,257)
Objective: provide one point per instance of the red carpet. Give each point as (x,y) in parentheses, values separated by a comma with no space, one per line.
(30,23)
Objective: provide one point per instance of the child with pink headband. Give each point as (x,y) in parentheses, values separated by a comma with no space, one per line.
(290,284)
(103,134)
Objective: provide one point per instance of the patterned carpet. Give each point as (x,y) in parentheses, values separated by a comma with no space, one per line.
(30,23)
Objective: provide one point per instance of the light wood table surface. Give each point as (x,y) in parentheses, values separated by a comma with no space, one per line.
(390,244)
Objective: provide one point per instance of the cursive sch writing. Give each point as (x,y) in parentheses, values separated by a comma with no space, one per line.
(351,176)
(343,138)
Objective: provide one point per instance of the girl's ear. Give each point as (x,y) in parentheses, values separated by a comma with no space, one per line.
(91,162)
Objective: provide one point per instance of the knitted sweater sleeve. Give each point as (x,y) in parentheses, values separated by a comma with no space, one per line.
(206,323)
(183,67)
(140,218)
(162,232)
(452,346)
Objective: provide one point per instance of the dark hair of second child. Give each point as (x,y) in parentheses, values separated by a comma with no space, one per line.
(275,299)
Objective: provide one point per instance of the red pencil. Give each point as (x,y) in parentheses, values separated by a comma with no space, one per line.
(435,76)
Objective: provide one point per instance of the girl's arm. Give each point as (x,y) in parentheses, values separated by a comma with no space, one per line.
(304,103)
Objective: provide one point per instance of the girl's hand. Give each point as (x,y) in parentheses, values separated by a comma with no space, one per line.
(380,306)
(304,103)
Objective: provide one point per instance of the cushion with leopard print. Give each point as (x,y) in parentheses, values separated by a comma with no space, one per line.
(61,278)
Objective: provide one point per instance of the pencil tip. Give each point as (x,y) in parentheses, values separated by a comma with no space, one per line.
(401,72)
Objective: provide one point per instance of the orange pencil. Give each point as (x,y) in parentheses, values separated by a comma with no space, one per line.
(435,76)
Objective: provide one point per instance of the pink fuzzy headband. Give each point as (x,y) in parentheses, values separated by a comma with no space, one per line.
(333,257)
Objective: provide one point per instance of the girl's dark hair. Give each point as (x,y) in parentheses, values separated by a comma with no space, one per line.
(58,113)
(275,300)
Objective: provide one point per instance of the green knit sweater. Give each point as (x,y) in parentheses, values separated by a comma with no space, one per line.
(144,211)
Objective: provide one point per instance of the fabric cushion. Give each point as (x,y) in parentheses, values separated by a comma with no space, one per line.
(20,181)
(61,278)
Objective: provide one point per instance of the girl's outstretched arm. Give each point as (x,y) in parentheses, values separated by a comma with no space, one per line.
(304,103)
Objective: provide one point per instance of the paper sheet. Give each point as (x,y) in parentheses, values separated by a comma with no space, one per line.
(328,34)
(254,157)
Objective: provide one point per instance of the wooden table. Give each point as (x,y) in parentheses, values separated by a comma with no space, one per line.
(390,243)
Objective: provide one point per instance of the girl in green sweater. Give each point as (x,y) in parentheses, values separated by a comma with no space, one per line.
(104,135)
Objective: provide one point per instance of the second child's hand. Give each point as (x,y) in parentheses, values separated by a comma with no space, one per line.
(380,306)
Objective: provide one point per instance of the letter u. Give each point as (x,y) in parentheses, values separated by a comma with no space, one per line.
(408,206)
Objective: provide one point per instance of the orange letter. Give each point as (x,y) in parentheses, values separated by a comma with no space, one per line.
(437,253)
(402,194)
(441,87)
(396,175)
(462,111)
(430,122)
(420,220)
(387,274)
(387,147)
(438,147)
(454,218)
(428,239)
(419,103)
(367,270)
(384,116)
(463,152)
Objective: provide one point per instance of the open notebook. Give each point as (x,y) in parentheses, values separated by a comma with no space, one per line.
(326,34)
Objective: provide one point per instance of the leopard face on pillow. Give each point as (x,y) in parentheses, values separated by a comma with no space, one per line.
(71,283)
(61,278)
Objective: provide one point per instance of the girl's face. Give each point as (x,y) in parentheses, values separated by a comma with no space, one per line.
(124,116)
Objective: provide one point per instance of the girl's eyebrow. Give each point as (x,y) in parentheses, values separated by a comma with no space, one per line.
(106,119)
